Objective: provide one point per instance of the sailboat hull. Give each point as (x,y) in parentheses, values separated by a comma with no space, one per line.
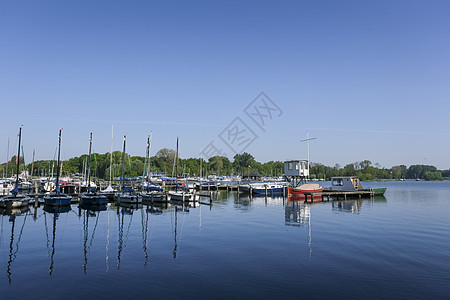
(57,200)
(177,196)
(93,199)
(12,201)
(152,197)
(127,198)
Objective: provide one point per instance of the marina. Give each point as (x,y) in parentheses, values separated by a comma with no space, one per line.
(236,246)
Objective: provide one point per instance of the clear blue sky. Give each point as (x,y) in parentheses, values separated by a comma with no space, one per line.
(368,79)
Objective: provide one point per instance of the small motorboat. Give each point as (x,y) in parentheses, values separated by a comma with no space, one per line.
(307,188)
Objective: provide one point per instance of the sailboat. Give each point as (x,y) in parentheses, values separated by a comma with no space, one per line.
(15,199)
(56,198)
(152,192)
(91,197)
(126,195)
(184,194)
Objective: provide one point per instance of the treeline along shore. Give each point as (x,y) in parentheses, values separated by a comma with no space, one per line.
(242,164)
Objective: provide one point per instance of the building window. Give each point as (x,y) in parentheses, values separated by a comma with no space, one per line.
(337,182)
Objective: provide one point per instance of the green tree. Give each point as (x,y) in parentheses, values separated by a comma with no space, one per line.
(243,161)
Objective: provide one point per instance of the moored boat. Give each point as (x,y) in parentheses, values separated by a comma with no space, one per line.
(57,198)
(15,200)
(184,194)
(181,196)
(378,191)
(127,194)
(352,184)
(267,188)
(90,197)
(307,188)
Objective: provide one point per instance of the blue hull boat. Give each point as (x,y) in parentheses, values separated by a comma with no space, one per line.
(93,199)
(270,191)
(57,200)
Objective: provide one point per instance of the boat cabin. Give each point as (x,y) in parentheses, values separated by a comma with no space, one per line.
(296,168)
(346,184)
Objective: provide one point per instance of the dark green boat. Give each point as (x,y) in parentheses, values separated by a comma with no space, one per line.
(378,191)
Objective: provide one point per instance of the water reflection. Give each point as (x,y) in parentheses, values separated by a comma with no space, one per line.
(13,213)
(92,212)
(55,211)
(242,202)
(297,213)
(177,209)
(144,225)
(354,206)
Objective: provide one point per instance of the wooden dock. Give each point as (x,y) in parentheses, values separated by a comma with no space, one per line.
(328,195)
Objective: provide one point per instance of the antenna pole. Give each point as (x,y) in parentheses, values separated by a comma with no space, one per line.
(307,146)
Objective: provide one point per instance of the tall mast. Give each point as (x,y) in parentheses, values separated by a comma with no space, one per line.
(53,163)
(201,159)
(57,165)
(88,183)
(148,160)
(307,145)
(7,159)
(176,173)
(110,159)
(18,158)
(32,166)
(24,165)
(123,160)
(15,191)
(176,166)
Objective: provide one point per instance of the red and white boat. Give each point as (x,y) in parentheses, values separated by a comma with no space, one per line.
(305,188)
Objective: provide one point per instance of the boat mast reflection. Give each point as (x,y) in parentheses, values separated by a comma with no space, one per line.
(55,211)
(86,214)
(184,208)
(13,213)
(126,210)
(144,224)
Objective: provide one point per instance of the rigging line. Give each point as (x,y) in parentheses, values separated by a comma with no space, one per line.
(120,246)
(182,226)
(144,235)
(53,245)
(1,231)
(85,238)
(151,230)
(20,236)
(142,224)
(128,230)
(171,223)
(107,245)
(93,231)
(65,225)
(8,269)
(46,233)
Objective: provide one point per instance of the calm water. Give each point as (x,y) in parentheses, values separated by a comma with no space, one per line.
(397,246)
